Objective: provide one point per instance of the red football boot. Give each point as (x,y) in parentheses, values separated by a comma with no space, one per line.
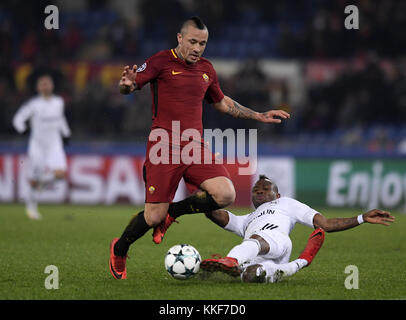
(117,263)
(314,244)
(160,229)
(227,265)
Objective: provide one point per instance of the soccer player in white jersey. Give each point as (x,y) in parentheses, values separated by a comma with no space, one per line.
(264,254)
(46,156)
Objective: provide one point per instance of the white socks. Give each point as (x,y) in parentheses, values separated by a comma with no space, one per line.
(245,251)
(292,267)
(32,194)
(288,269)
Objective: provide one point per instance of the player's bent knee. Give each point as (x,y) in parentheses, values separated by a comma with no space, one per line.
(221,189)
(153,219)
(155,214)
(225,197)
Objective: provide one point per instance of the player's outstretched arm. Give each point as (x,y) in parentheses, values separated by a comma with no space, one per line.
(228,221)
(127,81)
(374,216)
(236,110)
(219,217)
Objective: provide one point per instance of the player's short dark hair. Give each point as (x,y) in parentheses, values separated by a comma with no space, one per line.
(262,176)
(43,75)
(273,184)
(196,21)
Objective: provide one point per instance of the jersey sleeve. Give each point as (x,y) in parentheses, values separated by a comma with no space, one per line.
(22,115)
(214,93)
(303,213)
(148,71)
(236,224)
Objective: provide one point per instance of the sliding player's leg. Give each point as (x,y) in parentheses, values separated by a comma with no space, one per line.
(269,271)
(248,250)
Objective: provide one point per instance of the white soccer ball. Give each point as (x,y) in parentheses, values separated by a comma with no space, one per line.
(182,261)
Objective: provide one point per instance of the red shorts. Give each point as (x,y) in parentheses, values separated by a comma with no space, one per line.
(162,179)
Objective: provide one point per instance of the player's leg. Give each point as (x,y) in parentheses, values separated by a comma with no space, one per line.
(313,245)
(262,268)
(269,271)
(248,250)
(55,163)
(158,194)
(34,172)
(52,175)
(216,191)
(139,224)
(31,202)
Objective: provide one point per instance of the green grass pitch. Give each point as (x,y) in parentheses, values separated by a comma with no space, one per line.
(76,240)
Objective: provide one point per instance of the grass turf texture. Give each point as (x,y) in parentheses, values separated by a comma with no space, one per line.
(76,240)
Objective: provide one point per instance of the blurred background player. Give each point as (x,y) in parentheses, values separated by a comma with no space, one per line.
(264,254)
(46,156)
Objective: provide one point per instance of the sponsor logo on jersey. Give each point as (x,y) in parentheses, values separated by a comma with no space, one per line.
(205,77)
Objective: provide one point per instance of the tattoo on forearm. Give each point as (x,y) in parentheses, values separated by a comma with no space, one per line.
(339,224)
(236,110)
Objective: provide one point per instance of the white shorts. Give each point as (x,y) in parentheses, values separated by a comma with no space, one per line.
(45,158)
(280,247)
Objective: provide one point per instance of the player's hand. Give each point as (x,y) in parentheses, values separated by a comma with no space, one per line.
(269,116)
(376,216)
(127,79)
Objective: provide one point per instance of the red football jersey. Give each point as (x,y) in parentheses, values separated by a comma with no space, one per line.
(178,89)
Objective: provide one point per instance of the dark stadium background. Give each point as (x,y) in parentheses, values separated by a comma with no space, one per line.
(345,89)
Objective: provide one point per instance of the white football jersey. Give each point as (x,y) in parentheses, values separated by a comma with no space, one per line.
(46,118)
(281,214)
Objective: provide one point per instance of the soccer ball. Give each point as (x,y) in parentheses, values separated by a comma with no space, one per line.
(182,261)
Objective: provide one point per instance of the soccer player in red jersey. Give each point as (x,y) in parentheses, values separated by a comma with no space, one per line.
(180,79)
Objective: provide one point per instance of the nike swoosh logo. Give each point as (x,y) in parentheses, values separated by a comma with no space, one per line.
(175,73)
(116,275)
(317,234)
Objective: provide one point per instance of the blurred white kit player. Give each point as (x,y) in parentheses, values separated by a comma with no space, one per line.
(46,156)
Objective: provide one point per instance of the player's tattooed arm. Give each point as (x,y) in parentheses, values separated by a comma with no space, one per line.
(374,216)
(334,224)
(236,110)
